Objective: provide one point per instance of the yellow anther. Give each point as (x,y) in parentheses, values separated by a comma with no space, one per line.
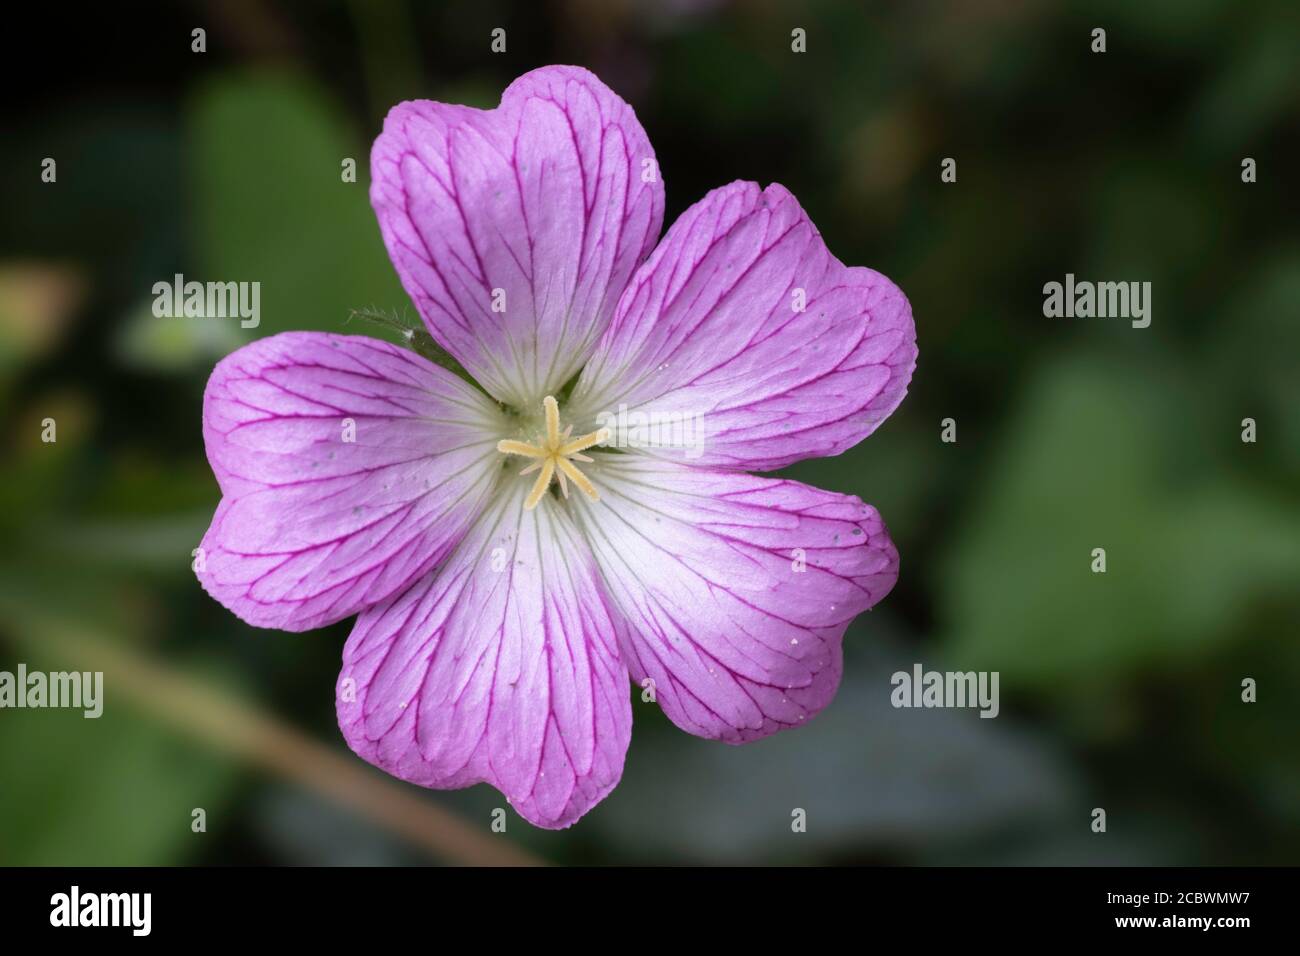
(555,455)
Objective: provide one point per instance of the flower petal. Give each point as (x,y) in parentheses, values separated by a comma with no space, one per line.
(502,666)
(515,230)
(710,327)
(705,568)
(349,467)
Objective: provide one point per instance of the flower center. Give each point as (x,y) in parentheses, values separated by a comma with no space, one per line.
(555,455)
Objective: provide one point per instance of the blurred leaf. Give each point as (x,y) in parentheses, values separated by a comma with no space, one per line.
(159,544)
(174,344)
(113,791)
(1109,456)
(1266,380)
(1255,87)
(271,206)
(1160,24)
(1148,218)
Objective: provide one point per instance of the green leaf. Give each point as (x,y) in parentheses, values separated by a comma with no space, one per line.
(118,790)
(271,205)
(1120,457)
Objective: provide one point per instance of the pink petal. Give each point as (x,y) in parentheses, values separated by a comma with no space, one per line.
(312,527)
(708,327)
(703,566)
(502,667)
(544,198)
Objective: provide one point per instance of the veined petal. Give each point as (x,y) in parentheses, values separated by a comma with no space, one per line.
(500,667)
(349,467)
(744,322)
(734,590)
(515,230)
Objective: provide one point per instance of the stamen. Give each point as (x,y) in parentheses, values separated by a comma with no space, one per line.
(585,442)
(555,455)
(509,447)
(568,468)
(540,485)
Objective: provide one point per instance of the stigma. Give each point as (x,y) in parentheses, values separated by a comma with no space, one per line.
(555,455)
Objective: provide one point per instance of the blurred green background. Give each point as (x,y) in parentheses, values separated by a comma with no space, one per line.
(1120,691)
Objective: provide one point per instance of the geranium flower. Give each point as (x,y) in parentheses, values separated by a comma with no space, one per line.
(500,616)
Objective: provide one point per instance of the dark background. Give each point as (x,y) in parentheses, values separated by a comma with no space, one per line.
(1120,691)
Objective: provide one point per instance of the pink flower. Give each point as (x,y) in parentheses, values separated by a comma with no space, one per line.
(500,616)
